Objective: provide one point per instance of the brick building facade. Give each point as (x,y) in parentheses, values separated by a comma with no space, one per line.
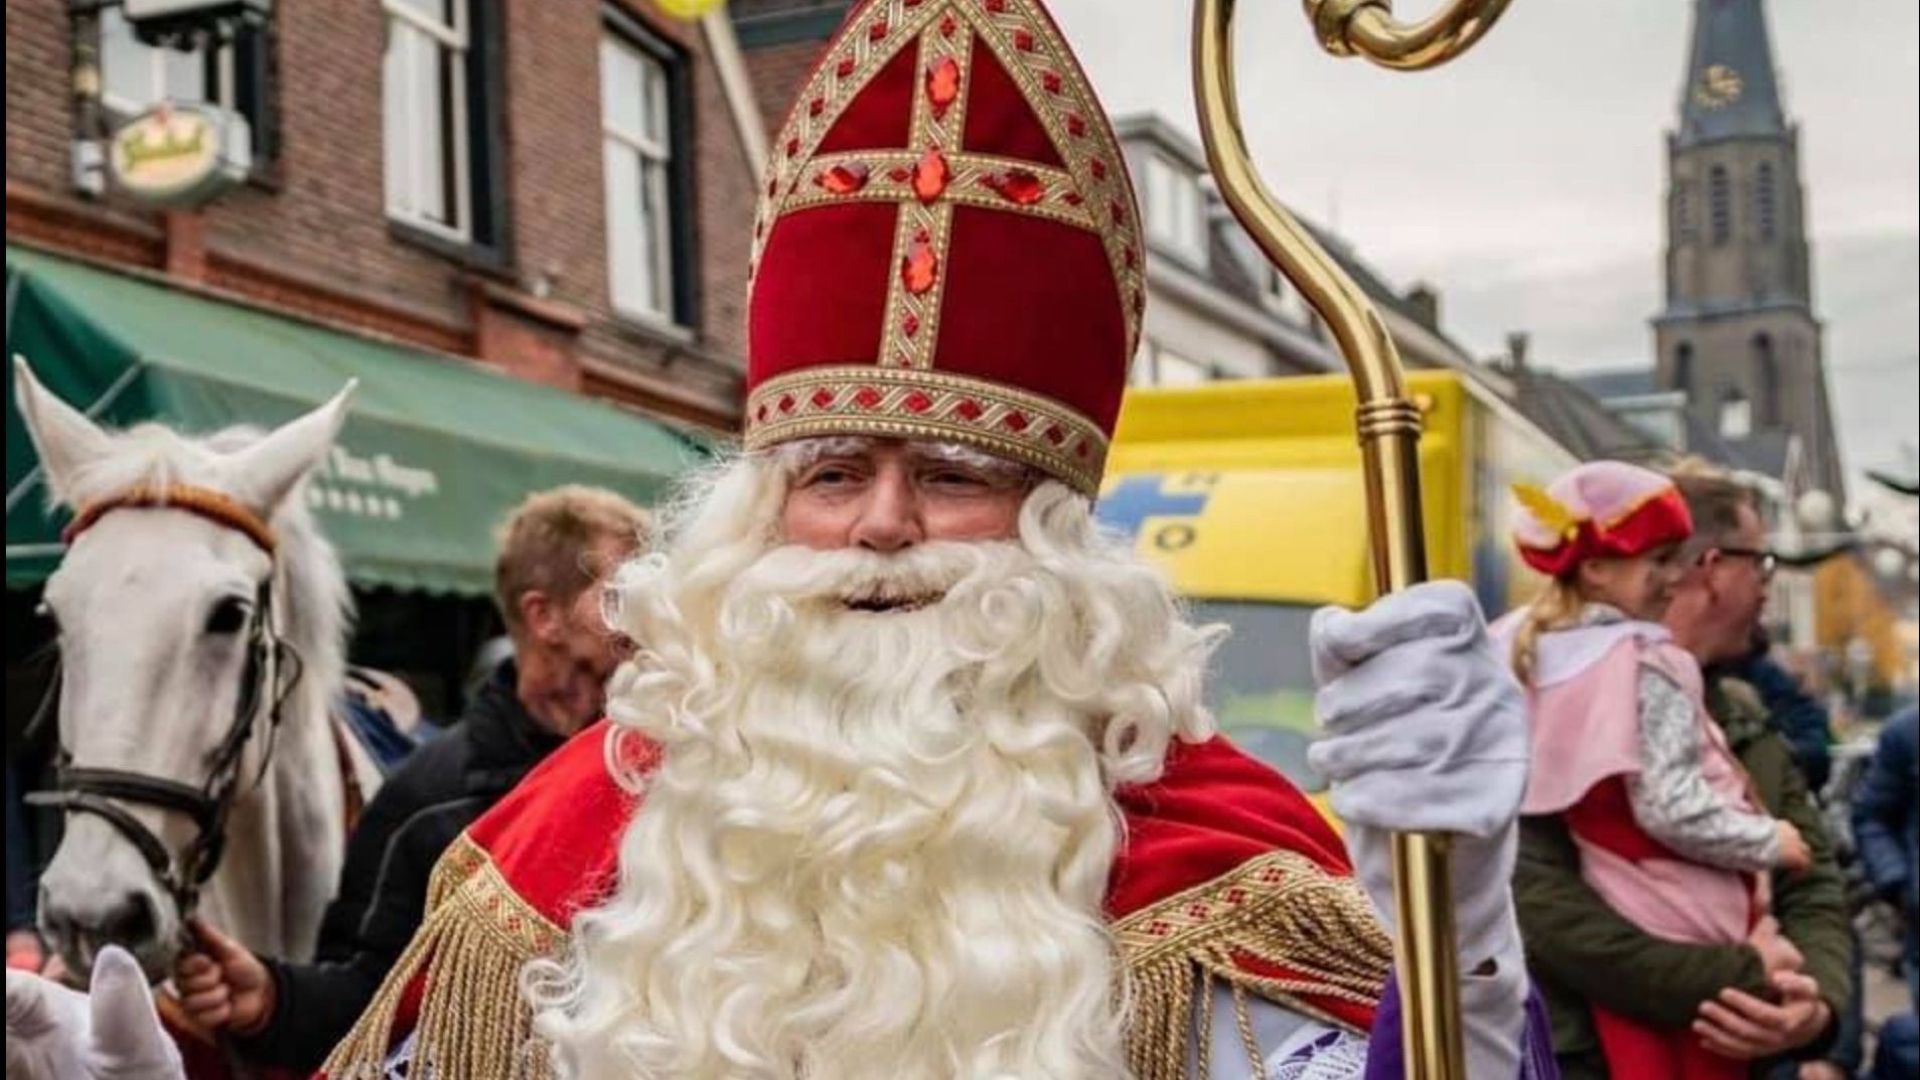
(527,100)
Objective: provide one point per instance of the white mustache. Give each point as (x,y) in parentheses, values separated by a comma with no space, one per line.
(925,574)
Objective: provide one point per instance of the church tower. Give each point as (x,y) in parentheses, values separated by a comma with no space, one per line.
(1738,334)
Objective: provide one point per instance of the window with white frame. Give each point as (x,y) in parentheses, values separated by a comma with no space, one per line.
(1279,296)
(135,76)
(1140,372)
(637,152)
(1736,416)
(1174,209)
(235,75)
(425,123)
(1273,285)
(1172,369)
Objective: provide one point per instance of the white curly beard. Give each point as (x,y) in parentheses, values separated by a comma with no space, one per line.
(878,843)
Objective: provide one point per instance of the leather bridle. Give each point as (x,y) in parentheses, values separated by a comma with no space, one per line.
(272,671)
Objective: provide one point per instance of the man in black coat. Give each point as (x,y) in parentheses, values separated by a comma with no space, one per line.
(555,553)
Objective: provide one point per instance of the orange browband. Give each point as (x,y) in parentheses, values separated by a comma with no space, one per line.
(216,506)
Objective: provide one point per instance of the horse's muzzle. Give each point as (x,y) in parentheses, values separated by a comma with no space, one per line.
(80,927)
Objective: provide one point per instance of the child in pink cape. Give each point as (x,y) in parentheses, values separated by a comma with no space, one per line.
(1668,831)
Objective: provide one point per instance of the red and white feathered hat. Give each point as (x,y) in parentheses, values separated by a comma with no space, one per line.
(947,245)
(1601,508)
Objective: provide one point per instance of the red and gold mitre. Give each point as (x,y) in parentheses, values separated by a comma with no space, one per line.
(947,246)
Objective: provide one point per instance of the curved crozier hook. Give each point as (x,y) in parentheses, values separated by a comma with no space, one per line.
(1352,319)
(1367,29)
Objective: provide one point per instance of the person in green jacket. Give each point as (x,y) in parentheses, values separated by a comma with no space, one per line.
(1772,999)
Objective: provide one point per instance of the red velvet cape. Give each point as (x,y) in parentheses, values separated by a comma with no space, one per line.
(1226,869)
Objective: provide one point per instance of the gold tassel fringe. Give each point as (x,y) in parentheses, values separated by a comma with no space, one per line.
(1281,908)
(473,1021)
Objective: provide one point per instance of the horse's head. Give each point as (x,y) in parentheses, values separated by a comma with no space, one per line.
(161,628)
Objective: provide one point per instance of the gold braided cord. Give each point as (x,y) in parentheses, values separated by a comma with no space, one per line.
(473,1022)
(1281,909)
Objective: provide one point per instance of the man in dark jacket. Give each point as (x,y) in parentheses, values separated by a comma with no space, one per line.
(555,552)
(1774,997)
(1796,714)
(1886,830)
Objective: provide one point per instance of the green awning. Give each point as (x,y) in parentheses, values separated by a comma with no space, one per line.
(435,451)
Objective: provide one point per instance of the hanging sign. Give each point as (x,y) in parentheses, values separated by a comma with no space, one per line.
(180,155)
(187,24)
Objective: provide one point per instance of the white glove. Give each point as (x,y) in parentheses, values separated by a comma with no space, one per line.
(1426,730)
(112,1033)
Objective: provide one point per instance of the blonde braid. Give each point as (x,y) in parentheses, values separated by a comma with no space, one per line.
(1557,606)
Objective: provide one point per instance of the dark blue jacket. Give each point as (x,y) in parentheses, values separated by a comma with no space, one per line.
(439,791)
(1886,814)
(1801,719)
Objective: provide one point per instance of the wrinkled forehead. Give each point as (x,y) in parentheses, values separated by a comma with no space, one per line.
(804,453)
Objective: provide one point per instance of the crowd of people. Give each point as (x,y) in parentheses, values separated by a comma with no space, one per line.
(878,758)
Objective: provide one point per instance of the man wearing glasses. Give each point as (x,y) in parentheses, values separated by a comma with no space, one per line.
(1774,999)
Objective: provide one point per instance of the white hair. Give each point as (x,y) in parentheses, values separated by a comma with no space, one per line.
(877,844)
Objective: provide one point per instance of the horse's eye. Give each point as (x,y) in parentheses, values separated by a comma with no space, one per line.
(228,616)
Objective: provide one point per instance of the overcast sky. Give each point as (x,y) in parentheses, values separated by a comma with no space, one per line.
(1525,178)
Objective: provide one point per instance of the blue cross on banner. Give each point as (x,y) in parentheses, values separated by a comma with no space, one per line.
(1136,498)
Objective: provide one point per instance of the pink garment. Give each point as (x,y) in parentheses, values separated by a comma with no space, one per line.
(1585,726)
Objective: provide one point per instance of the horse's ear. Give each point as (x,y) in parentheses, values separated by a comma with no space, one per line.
(66,440)
(266,471)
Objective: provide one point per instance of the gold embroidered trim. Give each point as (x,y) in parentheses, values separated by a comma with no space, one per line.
(477,936)
(1280,908)
(855,57)
(911,403)
(911,324)
(1038,61)
(888,180)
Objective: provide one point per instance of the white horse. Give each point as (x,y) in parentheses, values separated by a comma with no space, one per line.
(193,586)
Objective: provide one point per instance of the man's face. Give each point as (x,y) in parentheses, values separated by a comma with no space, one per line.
(1729,582)
(586,649)
(595,648)
(887,496)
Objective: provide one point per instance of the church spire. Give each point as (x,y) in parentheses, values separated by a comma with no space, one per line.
(1731,90)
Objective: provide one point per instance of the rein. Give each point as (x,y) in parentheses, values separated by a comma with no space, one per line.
(272,671)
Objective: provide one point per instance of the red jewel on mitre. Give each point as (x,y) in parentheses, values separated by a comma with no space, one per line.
(946,245)
(1599,509)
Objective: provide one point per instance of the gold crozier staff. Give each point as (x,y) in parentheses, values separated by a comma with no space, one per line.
(1388,424)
